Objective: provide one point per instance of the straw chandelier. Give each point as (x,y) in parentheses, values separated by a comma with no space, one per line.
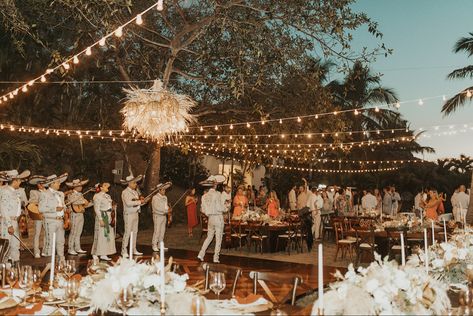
(157,113)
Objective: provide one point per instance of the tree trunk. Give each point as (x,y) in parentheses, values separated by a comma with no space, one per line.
(152,173)
(469,214)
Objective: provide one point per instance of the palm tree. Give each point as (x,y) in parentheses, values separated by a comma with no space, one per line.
(15,152)
(464,44)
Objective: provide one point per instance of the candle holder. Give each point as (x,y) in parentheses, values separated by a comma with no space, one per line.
(163,308)
(50,296)
(320,311)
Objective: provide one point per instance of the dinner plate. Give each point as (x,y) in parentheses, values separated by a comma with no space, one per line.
(8,302)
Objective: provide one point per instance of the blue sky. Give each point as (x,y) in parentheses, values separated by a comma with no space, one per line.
(422,34)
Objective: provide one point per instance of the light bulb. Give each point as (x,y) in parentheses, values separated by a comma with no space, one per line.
(248,125)
(119,32)
(75,60)
(11,95)
(316,116)
(5,98)
(66,66)
(444,98)
(30,83)
(299,119)
(139,19)
(398,105)
(43,78)
(160,5)
(102,41)
(15,92)
(421,102)
(376,109)
(356,112)
(231,126)
(88,51)
(24,89)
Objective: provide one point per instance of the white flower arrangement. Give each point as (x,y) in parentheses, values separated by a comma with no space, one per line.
(144,278)
(384,288)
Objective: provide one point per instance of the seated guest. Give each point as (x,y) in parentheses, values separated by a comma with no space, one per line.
(240,202)
(369,201)
(272,204)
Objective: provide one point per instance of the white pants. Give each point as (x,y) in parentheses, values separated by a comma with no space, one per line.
(160,222)
(316,224)
(131,226)
(77,225)
(38,225)
(215,228)
(14,252)
(52,226)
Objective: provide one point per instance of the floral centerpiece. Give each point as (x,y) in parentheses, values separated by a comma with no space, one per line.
(144,278)
(385,288)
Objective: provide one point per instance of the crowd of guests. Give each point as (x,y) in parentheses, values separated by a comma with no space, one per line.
(431,203)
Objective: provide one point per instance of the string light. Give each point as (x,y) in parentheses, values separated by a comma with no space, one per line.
(102,41)
(43,78)
(468,93)
(119,32)
(139,19)
(75,60)
(88,51)
(160,5)
(421,102)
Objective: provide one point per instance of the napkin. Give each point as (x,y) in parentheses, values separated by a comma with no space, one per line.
(250,299)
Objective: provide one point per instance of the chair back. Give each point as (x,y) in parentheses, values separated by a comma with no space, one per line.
(228,270)
(338,227)
(257,229)
(365,235)
(4,249)
(280,280)
(235,227)
(394,236)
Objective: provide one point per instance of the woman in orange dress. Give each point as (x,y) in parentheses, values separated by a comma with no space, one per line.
(272,204)
(240,202)
(191,205)
(431,206)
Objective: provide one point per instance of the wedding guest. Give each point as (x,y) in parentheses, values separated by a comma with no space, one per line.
(387,201)
(441,208)
(431,205)
(379,200)
(396,199)
(272,204)
(191,206)
(104,233)
(250,194)
(303,196)
(261,198)
(341,203)
(327,205)
(368,201)
(240,202)
(455,208)
(463,201)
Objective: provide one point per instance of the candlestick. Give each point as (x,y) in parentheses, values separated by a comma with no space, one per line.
(421,217)
(403,253)
(426,251)
(433,233)
(321,280)
(51,297)
(445,230)
(131,246)
(163,277)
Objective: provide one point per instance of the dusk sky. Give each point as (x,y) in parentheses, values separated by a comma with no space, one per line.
(422,34)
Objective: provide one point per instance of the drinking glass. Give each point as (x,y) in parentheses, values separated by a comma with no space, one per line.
(60,267)
(92,266)
(217,282)
(12,277)
(72,293)
(69,268)
(25,281)
(36,284)
(198,305)
(125,299)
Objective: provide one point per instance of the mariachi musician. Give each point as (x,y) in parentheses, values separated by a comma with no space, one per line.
(10,211)
(104,232)
(33,211)
(161,210)
(78,204)
(52,207)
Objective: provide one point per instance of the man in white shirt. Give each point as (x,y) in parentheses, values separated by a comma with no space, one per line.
(78,204)
(396,200)
(10,210)
(34,212)
(463,201)
(213,208)
(292,199)
(303,195)
(368,201)
(131,209)
(161,208)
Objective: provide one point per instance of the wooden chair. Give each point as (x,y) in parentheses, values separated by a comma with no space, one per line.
(394,241)
(236,232)
(4,249)
(327,227)
(204,224)
(258,235)
(345,245)
(281,281)
(228,270)
(290,237)
(365,242)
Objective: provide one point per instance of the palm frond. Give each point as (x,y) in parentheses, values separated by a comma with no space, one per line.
(461,73)
(458,100)
(464,44)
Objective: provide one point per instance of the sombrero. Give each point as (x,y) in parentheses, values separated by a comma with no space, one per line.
(54,178)
(14,175)
(131,178)
(3,176)
(212,180)
(77,183)
(36,179)
(164,186)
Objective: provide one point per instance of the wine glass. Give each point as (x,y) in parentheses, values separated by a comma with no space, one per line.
(125,299)
(198,305)
(72,293)
(12,277)
(60,267)
(92,266)
(217,282)
(37,278)
(25,281)
(69,268)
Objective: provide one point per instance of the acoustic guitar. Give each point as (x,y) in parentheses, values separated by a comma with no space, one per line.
(80,208)
(33,212)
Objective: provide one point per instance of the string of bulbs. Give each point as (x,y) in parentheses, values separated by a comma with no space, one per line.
(66,65)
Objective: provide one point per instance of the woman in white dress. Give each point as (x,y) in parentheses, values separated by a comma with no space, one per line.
(104,236)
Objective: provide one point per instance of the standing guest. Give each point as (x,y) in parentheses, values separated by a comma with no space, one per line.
(213,207)
(396,200)
(78,205)
(250,194)
(131,209)
(292,199)
(34,212)
(341,203)
(227,197)
(10,211)
(387,201)
(328,204)
(463,201)
(441,207)
(52,207)
(379,200)
(240,202)
(431,205)
(368,201)
(191,206)
(349,198)
(316,209)
(104,232)
(161,209)
(261,198)
(303,195)
(418,202)
(455,208)
(272,204)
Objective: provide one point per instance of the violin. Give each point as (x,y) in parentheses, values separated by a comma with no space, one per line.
(169,218)
(23,226)
(113,215)
(67,219)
